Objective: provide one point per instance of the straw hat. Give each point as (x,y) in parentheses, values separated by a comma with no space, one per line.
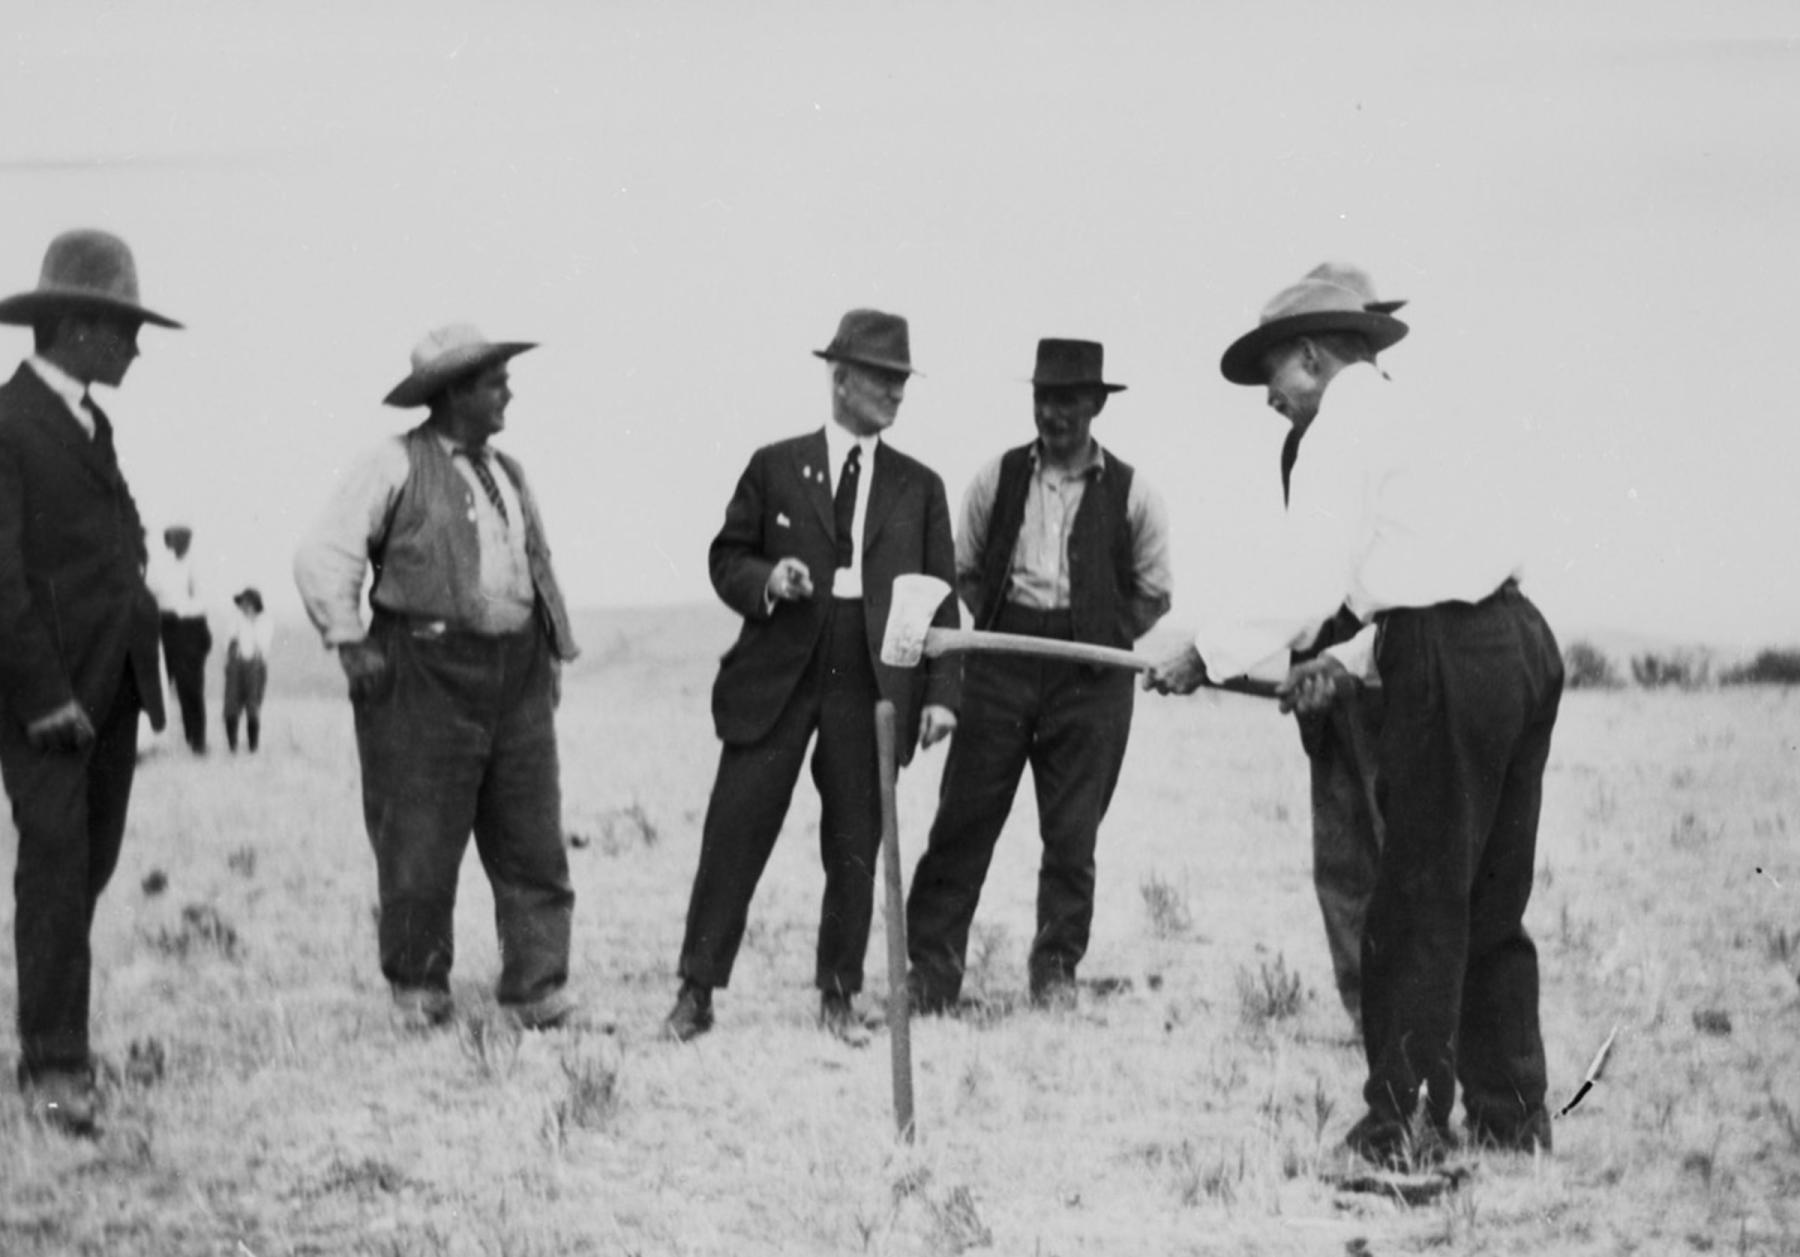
(1333,297)
(84,271)
(446,354)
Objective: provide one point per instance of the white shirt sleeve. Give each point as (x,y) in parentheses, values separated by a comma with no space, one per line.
(333,558)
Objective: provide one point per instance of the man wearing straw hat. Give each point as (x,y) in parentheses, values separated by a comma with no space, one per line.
(1063,539)
(814,535)
(1472,677)
(78,646)
(454,682)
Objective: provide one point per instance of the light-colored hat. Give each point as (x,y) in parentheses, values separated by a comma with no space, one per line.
(1333,297)
(446,354)
(871,338)
(84,270)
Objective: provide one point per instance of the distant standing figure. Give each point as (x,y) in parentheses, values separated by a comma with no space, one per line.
(186,637)
(814,535)
(78,641)
(454,683)
(247,669)
(1060,539)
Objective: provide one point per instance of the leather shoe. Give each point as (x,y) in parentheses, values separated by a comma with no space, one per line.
(837,1018)
(1393,1146)
(1530,1135)
(692,1015)
(63,1100)
(557,1011)
(923,1001)
(420,1009)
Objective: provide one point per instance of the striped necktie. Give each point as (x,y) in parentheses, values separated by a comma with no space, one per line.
(478,463)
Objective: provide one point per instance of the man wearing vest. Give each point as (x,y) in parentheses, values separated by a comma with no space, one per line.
(455,682)
(814,535)
(78,647)
(1386,519)
(1059,539)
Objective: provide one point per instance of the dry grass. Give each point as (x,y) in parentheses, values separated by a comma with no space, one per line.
(262,1101)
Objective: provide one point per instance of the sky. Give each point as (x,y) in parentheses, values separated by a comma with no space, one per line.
(1592,210)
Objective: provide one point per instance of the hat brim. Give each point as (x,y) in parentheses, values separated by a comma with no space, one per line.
(861,360)
(1102,385)
(1242,362)
(28,308)
(421,386)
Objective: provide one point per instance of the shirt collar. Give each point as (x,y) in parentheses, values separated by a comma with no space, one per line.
(839,439)
(453,448)
(61,383)
(1096,462)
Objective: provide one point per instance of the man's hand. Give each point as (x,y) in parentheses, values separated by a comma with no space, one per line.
(65,729)
(789,581)
(364,666)
(1313,686)
(936,723)
(1178,674)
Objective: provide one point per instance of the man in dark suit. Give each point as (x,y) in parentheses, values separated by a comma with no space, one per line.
(819,527)
(78,647)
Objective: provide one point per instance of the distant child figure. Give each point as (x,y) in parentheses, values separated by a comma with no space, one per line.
(247,668)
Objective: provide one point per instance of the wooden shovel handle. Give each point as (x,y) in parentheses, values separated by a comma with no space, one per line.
(941,641)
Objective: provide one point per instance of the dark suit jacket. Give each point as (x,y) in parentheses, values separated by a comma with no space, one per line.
(74,610)
(779,511)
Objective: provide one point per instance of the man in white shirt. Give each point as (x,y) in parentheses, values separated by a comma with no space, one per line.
(1473,678)
(186,636)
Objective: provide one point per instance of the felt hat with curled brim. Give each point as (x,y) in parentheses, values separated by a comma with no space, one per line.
(84,272)
(871,338)
(1333,297)
(1071,364)
(444,356)
(250,600)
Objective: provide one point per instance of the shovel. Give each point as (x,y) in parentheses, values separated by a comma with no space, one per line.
(910,638)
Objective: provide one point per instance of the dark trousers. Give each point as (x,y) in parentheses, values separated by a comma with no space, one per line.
(1070,723)
(1450,977)
(69,808)
(755,783)
(1346,849)
(459,735)
(186,643)
(245,682)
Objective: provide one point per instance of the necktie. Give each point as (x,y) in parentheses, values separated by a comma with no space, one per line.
(478,463)
(93,415)
(843,506)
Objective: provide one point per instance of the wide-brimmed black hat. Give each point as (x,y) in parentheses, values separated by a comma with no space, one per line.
(1071,364)
(871,338)
(1333,297)
(84,271)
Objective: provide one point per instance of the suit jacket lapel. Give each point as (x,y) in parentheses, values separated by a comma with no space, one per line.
(52,416)
(888,487)
(815,471)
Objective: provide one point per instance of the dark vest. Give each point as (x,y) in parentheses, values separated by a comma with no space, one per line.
(1101,570)
(429,561)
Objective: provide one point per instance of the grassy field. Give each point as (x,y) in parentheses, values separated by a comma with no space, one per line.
(263,1102)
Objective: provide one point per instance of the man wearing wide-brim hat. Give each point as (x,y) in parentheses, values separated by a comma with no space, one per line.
(1472,677)
(1064,539)
(814,535)
(454,681)
(78,645)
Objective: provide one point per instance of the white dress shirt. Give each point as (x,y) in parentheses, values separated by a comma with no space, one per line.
(839,441)
(1384,512)
(67,387)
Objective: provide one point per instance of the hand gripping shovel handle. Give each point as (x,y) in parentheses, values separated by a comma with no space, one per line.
(899,1010)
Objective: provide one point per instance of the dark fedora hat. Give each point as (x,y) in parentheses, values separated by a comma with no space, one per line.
(447,354)
(87,271)
(871,338)
(250,599)
(1333,297)
(1071,364)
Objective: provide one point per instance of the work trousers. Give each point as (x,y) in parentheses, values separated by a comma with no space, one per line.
(1070,723)
(835,699)
(245,682)
(459,735)
(1346,848)
(69,808)
(1450,976)
(186,641)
